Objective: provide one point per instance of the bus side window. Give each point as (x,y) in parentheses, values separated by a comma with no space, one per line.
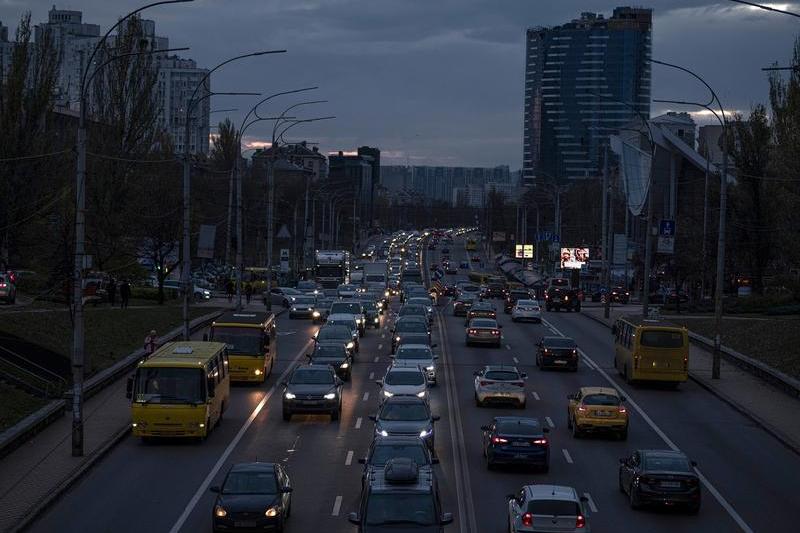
(213,370)
(223,367)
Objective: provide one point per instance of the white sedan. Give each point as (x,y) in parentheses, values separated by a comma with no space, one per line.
(526,310)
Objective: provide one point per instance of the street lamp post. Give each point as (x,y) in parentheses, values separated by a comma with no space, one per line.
(78,340)
(186,265)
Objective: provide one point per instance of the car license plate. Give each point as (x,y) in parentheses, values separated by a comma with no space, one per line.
(522,444)
(310,402)
(603,413)
(557,300)
(520,456)
(671,484)
(560,362)
(245,523)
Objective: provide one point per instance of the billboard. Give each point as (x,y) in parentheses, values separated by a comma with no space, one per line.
(574,257)
(523,251)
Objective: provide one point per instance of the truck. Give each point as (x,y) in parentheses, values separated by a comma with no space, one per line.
(560,294)
(376,275)
(331,268)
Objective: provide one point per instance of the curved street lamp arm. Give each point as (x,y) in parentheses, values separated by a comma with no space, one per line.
(296,122)
(697,77)
(279,122)
(254,109)
(697,104)
(767,8)
(130,54)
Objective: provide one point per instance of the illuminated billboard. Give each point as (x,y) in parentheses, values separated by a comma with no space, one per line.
(523,251)
(574,257)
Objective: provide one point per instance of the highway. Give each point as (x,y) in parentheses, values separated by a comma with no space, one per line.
(749,476)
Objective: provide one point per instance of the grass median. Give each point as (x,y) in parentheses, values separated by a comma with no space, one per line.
(773,341)
(15,405)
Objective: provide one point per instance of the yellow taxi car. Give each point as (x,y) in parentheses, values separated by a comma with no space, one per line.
(597,410)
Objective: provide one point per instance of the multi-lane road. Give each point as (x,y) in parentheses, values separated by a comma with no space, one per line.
(749,478)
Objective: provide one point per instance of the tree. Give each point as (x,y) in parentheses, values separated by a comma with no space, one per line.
(26,100)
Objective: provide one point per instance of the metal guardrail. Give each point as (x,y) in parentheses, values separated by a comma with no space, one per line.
(43,382)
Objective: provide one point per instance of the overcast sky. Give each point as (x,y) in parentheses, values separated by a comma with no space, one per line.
(435,82)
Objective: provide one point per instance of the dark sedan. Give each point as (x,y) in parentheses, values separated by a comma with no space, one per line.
(253,497)
(516,440)
(406,416)
(462,305)
(383,449)
(662,477)
(335,355)
(557,352)
(512,298)
(312,389)
(339,334)
(411,330)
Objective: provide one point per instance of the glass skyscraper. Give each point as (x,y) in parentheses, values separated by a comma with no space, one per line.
(583,80)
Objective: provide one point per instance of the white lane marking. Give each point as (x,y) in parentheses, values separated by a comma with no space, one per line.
(591,503)
(380,346)
(349,459)
(366,396)
(567,456)
(203,488)
(550,422)
(383,335)
(294,445)
(508,346)
(535,395)
(358,423)
(337,506)
(377,358)
(591,364)
(516,361)
(711,488)
(372,375)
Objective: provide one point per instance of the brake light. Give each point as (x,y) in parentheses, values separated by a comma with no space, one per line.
(622,410)
(499,440)
(527,519)
(518,383)
(582,409)
(545,350)
(636,361)
(691,482)
(580,522)
(3,285)
(485,383)
(686,363)
(542,442)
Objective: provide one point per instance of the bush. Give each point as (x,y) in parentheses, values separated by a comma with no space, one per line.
(151,293)
(793,309)
(758,304)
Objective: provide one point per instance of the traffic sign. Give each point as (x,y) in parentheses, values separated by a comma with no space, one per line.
(556,238)
(666,228)
(283,233)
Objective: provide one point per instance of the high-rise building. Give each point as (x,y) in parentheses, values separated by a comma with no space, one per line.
(354,171)
(681,124)
(583,80)
(177,80)
(6,51)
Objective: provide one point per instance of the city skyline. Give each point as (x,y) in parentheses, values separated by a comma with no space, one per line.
(451,116)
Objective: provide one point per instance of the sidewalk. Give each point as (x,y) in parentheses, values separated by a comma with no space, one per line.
(769,407)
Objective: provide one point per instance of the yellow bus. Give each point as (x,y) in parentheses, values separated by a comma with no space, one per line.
(252,344)
(650,350)
(180,391)
(472,245)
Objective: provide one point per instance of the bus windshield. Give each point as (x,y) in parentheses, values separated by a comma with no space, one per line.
(240,341)
(169,385)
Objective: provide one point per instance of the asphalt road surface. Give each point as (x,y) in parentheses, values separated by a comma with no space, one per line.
(749,477)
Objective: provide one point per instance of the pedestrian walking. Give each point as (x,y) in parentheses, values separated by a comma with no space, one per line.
(229,289)
(248,291)
(124,294)
(111,288)
(150,343)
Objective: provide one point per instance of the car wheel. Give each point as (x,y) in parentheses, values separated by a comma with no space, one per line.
(576,433)
(287,415)
(335,414)
(634,499)
(569,421)
(619,483)
(478,403)
(623,435)
(522,404)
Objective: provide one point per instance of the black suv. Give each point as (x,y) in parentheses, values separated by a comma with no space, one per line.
(312,389)
(400,495)
(557,352)
(384,449)
(512,298)
(335,355)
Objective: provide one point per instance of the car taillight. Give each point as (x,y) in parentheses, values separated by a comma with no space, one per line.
(527,519)
(542,442)
(517,383)
(636,361)
(580,522)
(582,409)
(473,331)
(499,440)
(686,363)
(691,482)
(622,410)
(3,285)
(485,383)
(495,332)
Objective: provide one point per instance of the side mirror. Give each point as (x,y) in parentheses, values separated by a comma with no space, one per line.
(379,382)
(362,460)
(485,428)
(308,355)
(584,499)
(524,375)
(693,463)
(447,518)
(284,384)
(373,418)
(436,418)
(476,373)
(354,518)
(129,388)
(214,489)
(434,346)
(436,357)
(205,337)
(286,490)
(545,430)
(570,396)
(500,326)
(622,398)
(511,497)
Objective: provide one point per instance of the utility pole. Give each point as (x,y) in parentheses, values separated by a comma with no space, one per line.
(270,221)
(705,225)
(604,229)
(228,232)
(306,224)
(239,258)
(720,285)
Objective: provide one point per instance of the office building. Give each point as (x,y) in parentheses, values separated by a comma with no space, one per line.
(681,124)
(353,171)
(583,80)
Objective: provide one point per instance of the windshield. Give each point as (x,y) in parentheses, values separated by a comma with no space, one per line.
(411,327)
(404,411)
(385,509)
(383,452)
(661,339)
(334,333)
(349,308)
(329,271)
(304,300)
(306,285)
(309,376)
(350,323)
(376,277)
(501,375)
(413,353)
(601,399)
(482,323)
(527,303)
(412,310)
(329,350)
(170,385)
(240,341)
(554,508)
(347,288)
(250,483)
(519,427)
(369,306)
(559,342)
(667,464)
(404,378)
(419,301)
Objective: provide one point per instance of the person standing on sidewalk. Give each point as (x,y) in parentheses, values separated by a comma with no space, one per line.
(124,294)
(229,289)
(112,291)
(248,291)
(150,343)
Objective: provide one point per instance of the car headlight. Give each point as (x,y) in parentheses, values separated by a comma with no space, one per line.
(316,314)
(289,396)
(358,321)
(421,394)
(388,394)
(344,365)
(294,309)
(430,368)
(386,294)
(350,345)
(220,511)
(425,433)
(376,320)
(271,512)
(397,339)
(382,432)
(330,396)
(291,298)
